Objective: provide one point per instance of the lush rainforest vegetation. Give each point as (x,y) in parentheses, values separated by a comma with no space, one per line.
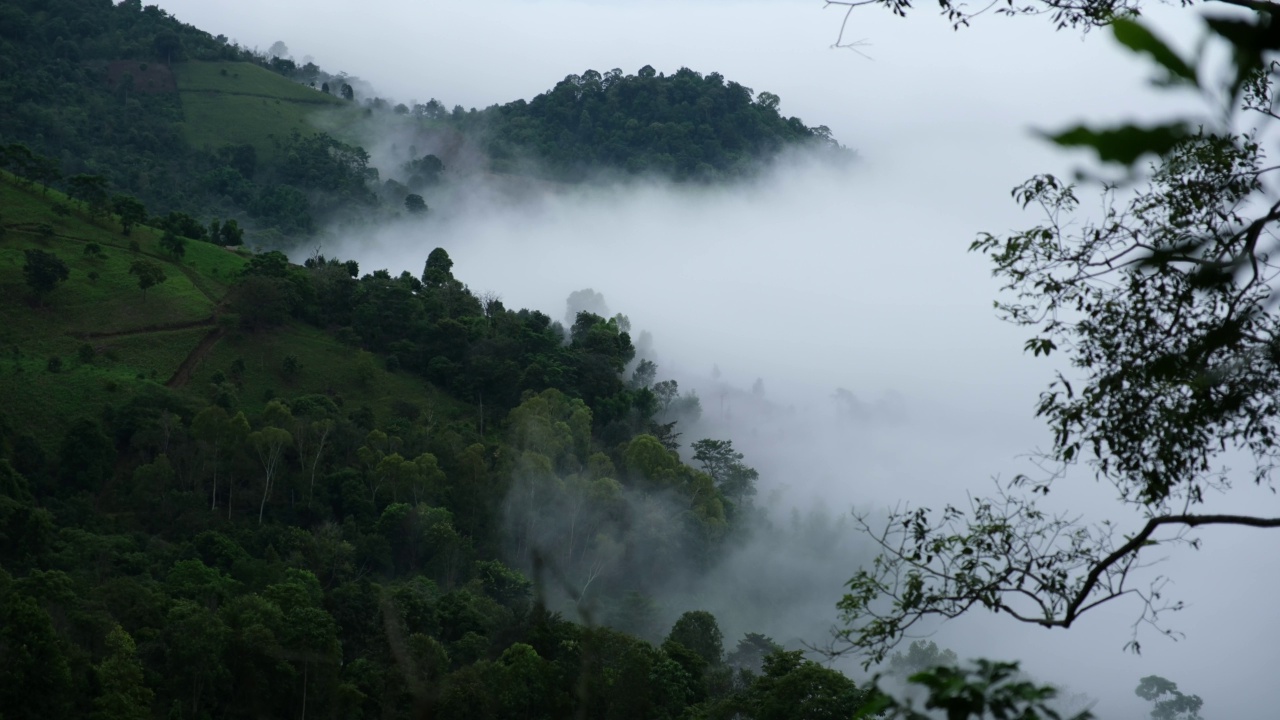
(236,487)
(231,486)
(264,489)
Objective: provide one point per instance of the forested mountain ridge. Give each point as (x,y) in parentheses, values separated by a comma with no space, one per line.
(685,125)
(189,122)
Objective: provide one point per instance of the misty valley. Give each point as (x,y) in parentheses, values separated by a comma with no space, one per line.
(614,400)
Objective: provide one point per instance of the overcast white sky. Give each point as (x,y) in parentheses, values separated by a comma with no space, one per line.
(815,278)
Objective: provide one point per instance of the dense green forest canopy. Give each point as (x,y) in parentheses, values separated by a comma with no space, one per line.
(235,487)
(685,125)
(231,486)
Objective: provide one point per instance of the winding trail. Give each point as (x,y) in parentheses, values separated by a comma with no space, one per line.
(212,92)
(206,322)
(182,375)
(194,358)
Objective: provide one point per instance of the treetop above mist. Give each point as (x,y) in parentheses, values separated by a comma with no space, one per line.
(686,126)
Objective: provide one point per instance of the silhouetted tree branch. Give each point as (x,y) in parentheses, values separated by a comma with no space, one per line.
(1008,557)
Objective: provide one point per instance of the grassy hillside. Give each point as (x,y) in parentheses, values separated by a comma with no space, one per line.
(232,103)
(112,303)
(112,343)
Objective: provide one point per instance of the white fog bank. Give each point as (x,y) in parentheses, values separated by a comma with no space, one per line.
(814,278)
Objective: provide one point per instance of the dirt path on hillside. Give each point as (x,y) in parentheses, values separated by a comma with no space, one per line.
(197,355)
(301,101)
(206,322)
(193,360)
(193,278)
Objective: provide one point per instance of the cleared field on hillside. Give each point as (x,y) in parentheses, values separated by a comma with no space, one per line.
(135,343)
(100,295)
(232,103)
(133,346)
(246,78)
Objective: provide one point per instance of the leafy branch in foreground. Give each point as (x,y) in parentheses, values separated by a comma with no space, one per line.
(1173,339)
(1080,14)
(1075,14)
(1164,307)
(987,689)
(1005,556)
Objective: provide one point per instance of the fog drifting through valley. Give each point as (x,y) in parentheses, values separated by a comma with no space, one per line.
(814,278)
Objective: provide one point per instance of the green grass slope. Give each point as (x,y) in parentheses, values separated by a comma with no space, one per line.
(112,303)
(113,344)
(232,103)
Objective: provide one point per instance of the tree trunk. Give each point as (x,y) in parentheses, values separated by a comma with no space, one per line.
(314,464)
(265,492)
(214,501)
(195,698)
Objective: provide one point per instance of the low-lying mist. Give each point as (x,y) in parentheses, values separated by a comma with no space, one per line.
(840,338)
(836,330)
(881,366)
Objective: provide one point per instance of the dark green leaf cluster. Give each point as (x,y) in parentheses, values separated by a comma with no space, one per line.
(43,271)
(1172,339)
(183,552)
(321,163)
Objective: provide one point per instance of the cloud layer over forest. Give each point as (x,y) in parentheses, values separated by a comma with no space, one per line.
(814,278)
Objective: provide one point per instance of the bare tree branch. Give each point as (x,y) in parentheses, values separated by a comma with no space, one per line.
(1003,557)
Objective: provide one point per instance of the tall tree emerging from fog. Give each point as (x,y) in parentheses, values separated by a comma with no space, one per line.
(1167,701)
(724,464)
(415,204)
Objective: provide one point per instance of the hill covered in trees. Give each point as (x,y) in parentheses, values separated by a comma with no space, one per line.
(685,126)
(235,487)
(231,486)
(188,122)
